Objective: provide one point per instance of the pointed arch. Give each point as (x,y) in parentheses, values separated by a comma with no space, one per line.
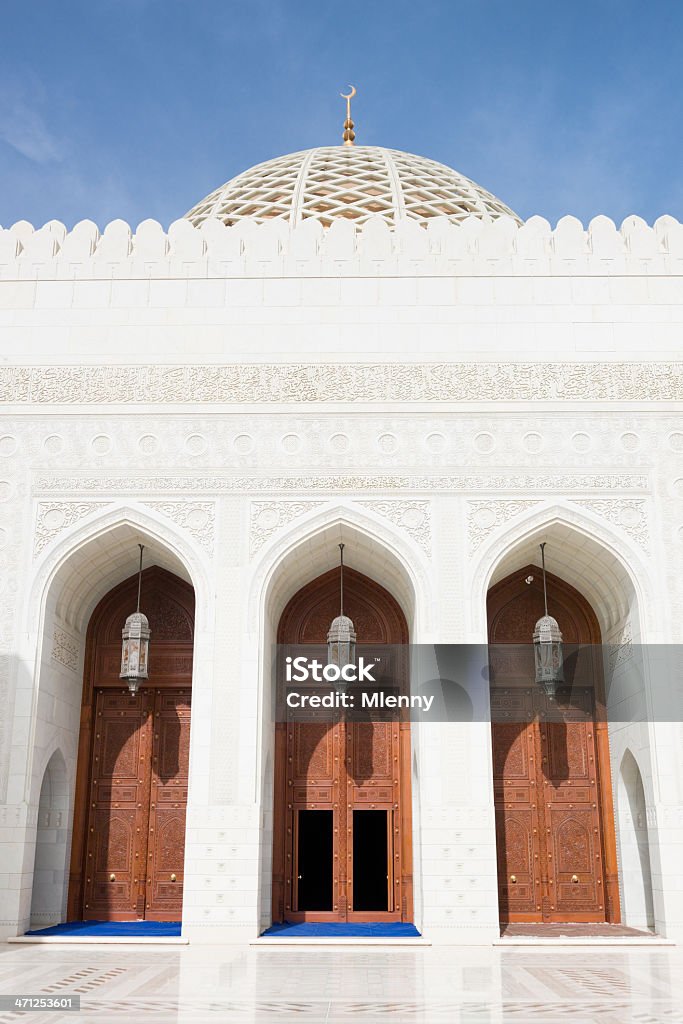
(598,561)
(120,525)
(303,551)
(72,575)
(308,547)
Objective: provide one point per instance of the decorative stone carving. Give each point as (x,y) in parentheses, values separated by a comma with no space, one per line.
(342,382)
(544,482)
(197,517)
(55,516)
(621,646)
(65,649)
(269,516)
(630,514)
(412,516)
(485,516)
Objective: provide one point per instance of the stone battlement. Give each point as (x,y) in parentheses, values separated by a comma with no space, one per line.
(476,247)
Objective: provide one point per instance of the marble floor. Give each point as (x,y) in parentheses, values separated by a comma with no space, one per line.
(444,985)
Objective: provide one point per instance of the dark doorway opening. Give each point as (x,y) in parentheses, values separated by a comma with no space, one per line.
(314,860)
(370,861)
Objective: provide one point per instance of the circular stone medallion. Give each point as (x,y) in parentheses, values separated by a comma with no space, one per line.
(8,445)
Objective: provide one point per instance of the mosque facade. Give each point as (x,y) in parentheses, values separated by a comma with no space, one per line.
(347,345)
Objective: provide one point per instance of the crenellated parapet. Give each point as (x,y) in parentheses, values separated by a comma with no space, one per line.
(476,246)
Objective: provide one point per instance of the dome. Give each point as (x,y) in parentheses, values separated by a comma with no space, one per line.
(356,182)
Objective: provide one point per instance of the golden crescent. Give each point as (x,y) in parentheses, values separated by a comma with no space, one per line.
(350,95)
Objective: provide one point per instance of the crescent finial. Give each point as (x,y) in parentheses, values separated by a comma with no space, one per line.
(349,134)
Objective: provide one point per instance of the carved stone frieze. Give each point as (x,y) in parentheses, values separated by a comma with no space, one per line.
(342,382)
(54,516)
(197,517)
(485,516)
(65,649)
(412,516)
(269,516)
(630,514)
(543,482)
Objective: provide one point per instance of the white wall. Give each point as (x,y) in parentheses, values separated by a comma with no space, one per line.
(454,391)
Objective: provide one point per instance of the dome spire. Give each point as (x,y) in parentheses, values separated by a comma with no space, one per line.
(349,134)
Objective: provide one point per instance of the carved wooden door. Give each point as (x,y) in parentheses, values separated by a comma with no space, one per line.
(131,786)
(554,819)
(136,830)
(342,789)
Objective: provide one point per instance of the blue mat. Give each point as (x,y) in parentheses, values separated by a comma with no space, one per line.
(137,929)
(307,929)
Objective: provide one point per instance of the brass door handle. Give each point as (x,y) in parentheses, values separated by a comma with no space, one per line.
(173,878)
(112,878)
(513,878)
(575,879)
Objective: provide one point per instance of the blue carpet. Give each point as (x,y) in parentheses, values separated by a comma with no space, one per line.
(308,929)
(138,929)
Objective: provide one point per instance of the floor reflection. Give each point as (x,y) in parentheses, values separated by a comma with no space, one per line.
(461,985)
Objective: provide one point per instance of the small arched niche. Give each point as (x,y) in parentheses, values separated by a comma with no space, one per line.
(48,904)
(634,846)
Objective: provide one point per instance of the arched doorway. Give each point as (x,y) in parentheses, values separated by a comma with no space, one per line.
(131,787)
(342,846)
(553,796)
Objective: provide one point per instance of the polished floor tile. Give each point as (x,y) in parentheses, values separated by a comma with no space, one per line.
(458,985)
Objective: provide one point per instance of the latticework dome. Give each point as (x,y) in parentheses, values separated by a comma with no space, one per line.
(356,182)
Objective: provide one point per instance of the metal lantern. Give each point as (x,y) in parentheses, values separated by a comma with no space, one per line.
(135,647)
(341,637)
(548,646)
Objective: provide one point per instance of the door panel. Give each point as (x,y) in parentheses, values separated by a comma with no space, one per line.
(119,802)
(168,805)
(517,810)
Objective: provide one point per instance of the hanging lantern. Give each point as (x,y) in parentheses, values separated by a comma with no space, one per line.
(548,646)
(135,648)
(341,637)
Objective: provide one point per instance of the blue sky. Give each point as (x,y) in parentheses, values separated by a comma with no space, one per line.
(138,108)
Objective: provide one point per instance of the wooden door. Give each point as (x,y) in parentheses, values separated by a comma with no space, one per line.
(131,785)
(136,824)
(343,769)
(552,791)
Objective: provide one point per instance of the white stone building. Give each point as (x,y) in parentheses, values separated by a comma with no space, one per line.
(351,345)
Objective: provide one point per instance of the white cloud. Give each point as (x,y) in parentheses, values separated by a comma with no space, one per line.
(23,127)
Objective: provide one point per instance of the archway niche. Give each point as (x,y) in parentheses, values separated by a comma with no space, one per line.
(53,839)
(372,568)
(95,564)
(587,571)
(634,846)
